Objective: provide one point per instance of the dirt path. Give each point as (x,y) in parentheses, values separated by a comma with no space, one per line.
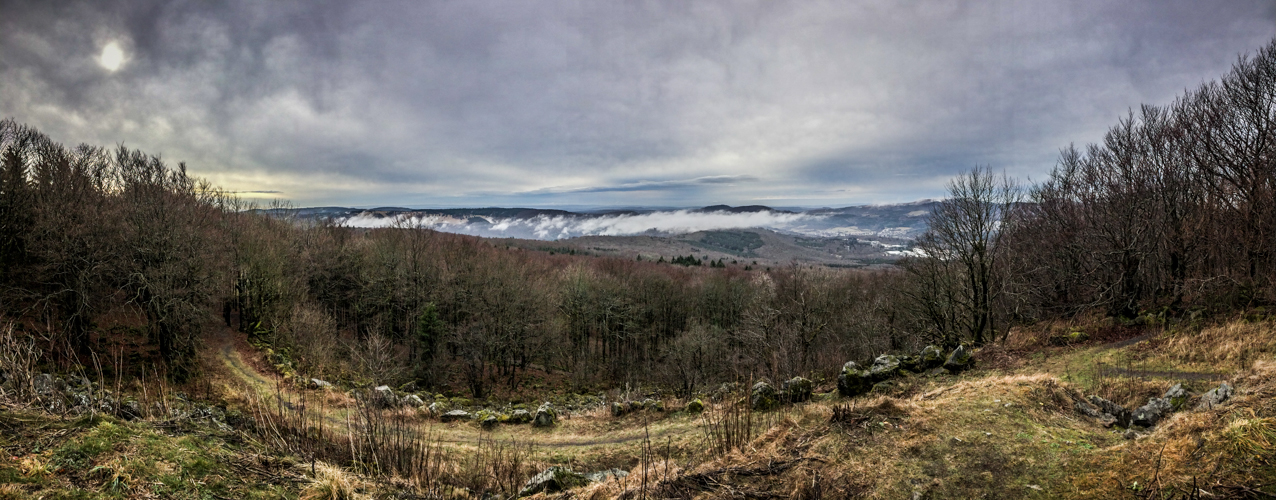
(230,351)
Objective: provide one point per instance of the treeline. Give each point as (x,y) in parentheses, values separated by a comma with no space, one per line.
(106,251)
(1174,213)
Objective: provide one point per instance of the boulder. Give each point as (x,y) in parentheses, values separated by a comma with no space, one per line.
(618,409)
(1215,397)
(960,360)
(1177,396)
(911,364)
(553,479)
(437,408)
(885,387)
(455,415)
(885,367)
(521,417)
(319,384)
(763,396)
(1149,414)
(545,416)
(383,397)
(932,357)
(489,421)
(651,404)
(695,406)
(1119,414)
(413,400)
(853,381)
(797,389)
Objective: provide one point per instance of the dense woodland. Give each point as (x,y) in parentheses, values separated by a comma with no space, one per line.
(109,254)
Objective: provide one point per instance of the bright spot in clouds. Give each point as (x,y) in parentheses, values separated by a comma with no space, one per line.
(112,57)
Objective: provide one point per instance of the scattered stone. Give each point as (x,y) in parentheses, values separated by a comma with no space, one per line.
(1149,414)
(319,384)
(885,367)
(960,360)
(932,357)
(695,406)
(763,396)
(521,416)
(413,400)
(43,384)
(798,389)
(853,381)
(600,476)
(455,415)
(1215,397)
(545,416)
(553,479)
(1177,397)
(1118,412)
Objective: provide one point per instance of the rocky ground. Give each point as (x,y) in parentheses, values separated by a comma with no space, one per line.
(1051,413)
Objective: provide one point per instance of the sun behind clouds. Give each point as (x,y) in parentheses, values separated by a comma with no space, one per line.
(112,57)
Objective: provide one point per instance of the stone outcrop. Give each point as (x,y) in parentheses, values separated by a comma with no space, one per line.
(455,415)
(1149,414)
(797,389)
(695,406)
(1177,396)
(885,367)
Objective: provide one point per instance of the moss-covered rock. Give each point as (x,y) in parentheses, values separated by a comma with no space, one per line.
(1177,396)
(885,367)
(853,381)
(619,409)
(960,360)
(932,357)
(520,416)
(763,396)
(553,479)
(798,389)
(695,406)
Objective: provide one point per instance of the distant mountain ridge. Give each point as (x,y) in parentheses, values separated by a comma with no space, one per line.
(897,221)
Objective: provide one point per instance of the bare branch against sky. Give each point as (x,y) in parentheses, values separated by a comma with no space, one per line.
(470,103)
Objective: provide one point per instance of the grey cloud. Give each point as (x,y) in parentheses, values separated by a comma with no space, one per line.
(407,102)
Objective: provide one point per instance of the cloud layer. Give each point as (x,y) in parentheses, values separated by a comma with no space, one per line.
(544,227)
(667,103)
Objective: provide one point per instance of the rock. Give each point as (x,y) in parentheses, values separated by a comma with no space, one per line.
(695,406)
(1087,409)
(412,400)
(635,405)
(651,404)
(853,381)
(383,397)
(763,396)
(600,476)
(130,410)
(1118,412)
(885,367)
(1177,396)
(911,364)
(489,421)
(1149,414)
(455,415)
(319,384)
(1215,397)
(521,417)
(798,389)
(552,480)
(437,408)
(619,410)
(932,357)
(1130,434)
(960,360)
(545,416)
(43,384)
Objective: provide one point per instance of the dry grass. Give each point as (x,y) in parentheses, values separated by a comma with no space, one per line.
(331,483)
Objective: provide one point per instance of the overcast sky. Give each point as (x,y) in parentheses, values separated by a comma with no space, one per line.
(605,103)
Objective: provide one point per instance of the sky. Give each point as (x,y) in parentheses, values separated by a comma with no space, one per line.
(605,103)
